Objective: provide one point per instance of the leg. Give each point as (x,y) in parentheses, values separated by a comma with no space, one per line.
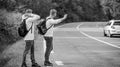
(49,48)
(34,64)
(27,48)
(32,52)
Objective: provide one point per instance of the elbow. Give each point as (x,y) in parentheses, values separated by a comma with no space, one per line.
(38,17)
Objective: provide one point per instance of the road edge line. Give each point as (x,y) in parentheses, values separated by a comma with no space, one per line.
(78,28)
(59,63)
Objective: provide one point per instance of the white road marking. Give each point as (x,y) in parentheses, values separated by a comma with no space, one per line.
(59,63)
(79,26)
(96,38)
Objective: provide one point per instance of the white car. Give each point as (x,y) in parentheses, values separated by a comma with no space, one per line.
(112,28)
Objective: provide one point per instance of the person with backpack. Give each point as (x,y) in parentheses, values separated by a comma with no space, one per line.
(30,19)
(48,36)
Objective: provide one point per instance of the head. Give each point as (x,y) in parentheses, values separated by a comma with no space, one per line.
(28,11)
(53,13)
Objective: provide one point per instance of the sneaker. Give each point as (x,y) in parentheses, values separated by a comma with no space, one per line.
(47,63)
(35,65)
(24,65)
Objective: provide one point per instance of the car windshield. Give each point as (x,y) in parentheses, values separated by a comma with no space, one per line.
(117,23)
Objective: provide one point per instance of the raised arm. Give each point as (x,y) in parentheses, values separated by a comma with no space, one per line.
(34,17)
(56,21)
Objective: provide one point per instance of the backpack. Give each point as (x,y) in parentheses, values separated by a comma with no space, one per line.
(42,29)
(22,30)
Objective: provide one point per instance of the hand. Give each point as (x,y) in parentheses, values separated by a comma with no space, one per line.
(42,20)
(65,16)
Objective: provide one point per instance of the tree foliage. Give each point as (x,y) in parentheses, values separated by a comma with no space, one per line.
(111,8)
(8,28)
(78,10)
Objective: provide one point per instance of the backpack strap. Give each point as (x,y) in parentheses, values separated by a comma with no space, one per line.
(49,27)
(31,25)
(31,28)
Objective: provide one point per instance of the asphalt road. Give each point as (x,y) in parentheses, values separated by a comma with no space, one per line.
(75,45)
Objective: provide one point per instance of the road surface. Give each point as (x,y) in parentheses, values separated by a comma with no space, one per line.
(75,45)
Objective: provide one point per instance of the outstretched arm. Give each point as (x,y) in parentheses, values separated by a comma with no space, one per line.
(56,21)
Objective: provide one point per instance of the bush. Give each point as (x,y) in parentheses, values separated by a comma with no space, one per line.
(8,27)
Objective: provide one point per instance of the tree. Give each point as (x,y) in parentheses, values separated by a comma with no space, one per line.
(111,7)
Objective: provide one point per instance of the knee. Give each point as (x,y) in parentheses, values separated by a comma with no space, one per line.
(51,48)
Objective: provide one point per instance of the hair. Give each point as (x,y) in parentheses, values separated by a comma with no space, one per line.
(53,12)
(28,11)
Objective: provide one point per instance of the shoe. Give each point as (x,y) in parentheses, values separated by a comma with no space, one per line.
(47,63)
(35,65)
(24,65)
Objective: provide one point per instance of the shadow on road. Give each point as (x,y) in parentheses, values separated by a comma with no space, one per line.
(116,36)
